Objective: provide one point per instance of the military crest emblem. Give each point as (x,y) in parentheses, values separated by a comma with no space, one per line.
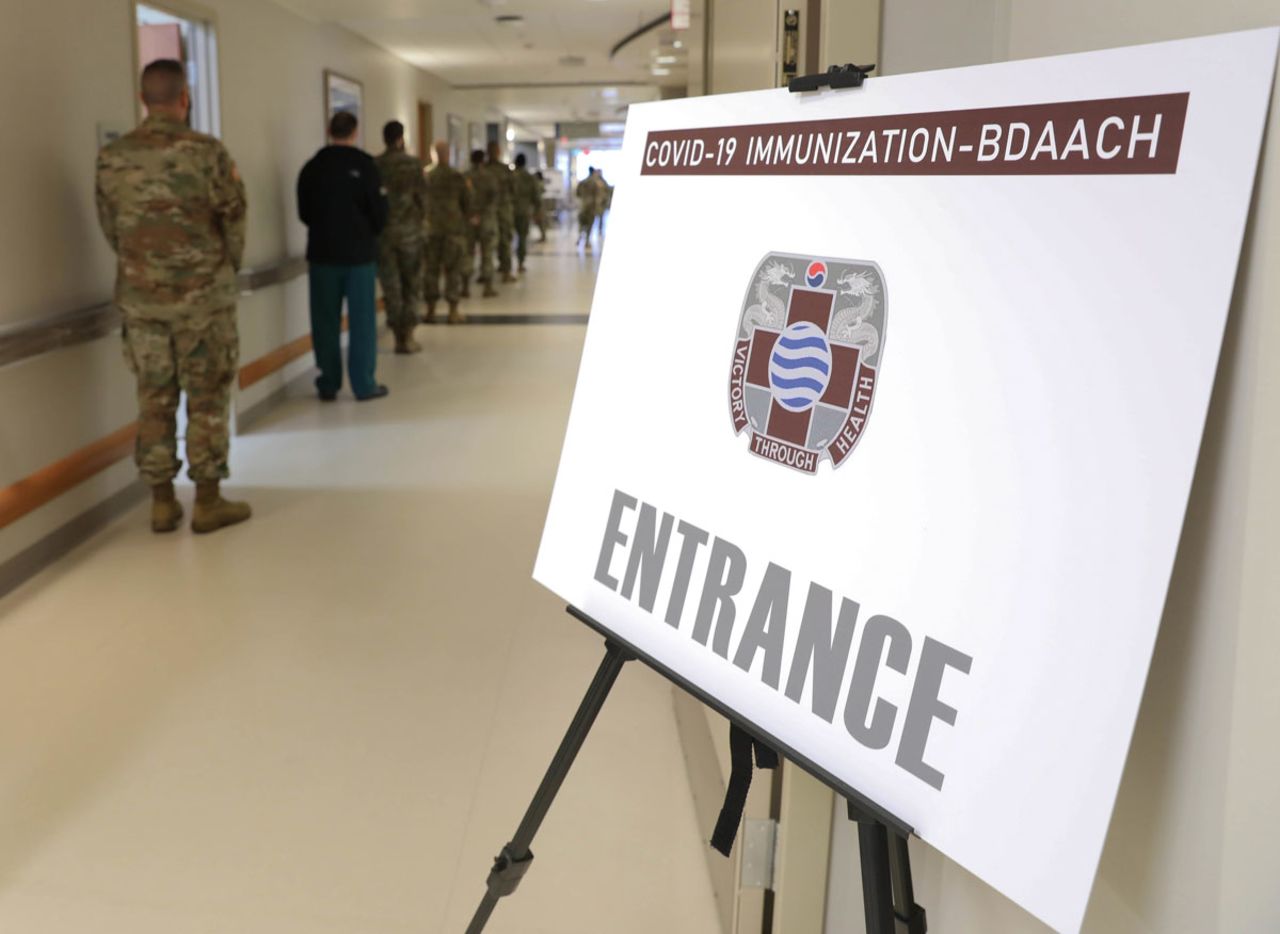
(805,360)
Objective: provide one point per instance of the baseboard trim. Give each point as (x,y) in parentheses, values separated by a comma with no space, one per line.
(33,559)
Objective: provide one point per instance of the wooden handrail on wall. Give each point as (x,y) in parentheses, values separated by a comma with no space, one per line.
(276,360)
(51,481)
(29,339)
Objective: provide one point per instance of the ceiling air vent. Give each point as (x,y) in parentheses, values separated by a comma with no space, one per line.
(508,19)
(572,61)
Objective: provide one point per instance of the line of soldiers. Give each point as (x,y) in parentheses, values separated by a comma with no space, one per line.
(440,219)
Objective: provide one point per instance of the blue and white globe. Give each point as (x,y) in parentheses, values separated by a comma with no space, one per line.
(800,366)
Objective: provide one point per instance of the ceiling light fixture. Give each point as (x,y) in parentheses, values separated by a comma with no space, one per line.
(660,71)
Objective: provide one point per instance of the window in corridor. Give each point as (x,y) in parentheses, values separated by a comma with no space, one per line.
(164,33)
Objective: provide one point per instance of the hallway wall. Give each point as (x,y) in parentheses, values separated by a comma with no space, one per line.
(1191,843)
(742,46)
(75,62)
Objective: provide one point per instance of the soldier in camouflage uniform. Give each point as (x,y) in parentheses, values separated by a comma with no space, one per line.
(484,219)
(400,242)
(540,215)
(528,201)
(506,210)
(588,199)
(448,217)
(172,206)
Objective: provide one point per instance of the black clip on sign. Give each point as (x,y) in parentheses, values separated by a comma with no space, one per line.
(835,77)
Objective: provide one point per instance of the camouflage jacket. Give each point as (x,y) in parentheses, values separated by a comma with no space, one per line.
(506,188)
(588,202)
(406,187)
(484,193)
(448,201)
(172,206)
(528,193)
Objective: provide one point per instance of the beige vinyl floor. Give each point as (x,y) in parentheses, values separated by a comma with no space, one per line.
(328,720)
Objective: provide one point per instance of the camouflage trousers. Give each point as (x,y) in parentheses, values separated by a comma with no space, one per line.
(400,272)
(586,220)
(483,237)
(443,255)
(197,355)
(505,231)
(522,238)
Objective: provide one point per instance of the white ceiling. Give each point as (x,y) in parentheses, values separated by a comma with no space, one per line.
(519,66)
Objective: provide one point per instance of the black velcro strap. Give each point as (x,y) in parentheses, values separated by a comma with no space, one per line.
(741,747)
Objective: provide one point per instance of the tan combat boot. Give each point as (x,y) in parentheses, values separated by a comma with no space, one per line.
(489,291)
(212,512)
(431,313)
(455,316)
(166,511)
(405,342)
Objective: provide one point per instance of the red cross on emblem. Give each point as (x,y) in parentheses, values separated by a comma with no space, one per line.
(803,379)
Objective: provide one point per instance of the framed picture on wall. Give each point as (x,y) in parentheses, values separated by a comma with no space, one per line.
(343,94)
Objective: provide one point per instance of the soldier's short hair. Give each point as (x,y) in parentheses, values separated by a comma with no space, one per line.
(520,159)
(343,125)
(393,132)
(163,82)
(477,156)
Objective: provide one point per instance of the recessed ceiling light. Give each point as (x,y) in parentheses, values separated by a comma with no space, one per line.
(660,71)
(665,59)
(609,93)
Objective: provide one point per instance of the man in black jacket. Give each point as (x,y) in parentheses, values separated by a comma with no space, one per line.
(342,202)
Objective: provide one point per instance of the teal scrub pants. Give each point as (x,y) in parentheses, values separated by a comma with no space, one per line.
(329,286)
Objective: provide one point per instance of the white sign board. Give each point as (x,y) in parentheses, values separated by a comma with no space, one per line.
(888,414)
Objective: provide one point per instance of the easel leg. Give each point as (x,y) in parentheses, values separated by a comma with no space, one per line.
(888,898)
(910,916)
(877,891)
(513,862)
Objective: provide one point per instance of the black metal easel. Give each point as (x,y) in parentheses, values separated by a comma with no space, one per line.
(513,862)
(887,893)
(888,897)
(836,77)
(882,838)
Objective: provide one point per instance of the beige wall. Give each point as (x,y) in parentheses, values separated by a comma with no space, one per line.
(742,45)
(850,34)
(921,35)
(68,65)
(1192,847)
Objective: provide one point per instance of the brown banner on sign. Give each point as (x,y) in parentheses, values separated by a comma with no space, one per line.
(1115,136)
